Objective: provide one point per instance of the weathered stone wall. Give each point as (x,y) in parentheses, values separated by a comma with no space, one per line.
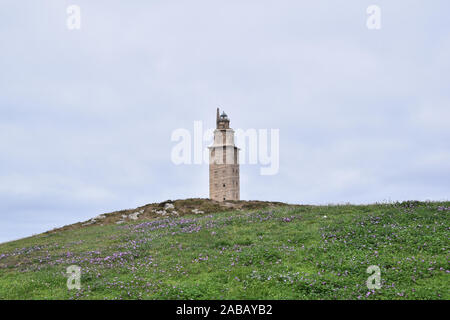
(224,167)
(224,181)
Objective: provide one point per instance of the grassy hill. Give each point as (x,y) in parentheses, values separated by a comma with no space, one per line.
(241,251)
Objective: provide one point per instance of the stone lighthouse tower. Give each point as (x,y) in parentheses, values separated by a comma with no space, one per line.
(223,162)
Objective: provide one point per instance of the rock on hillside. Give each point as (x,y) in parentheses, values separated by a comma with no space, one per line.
(170,208)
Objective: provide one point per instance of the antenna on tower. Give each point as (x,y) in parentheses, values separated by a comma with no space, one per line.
(217,118)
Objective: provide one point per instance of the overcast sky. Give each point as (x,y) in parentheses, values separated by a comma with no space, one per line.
(86,116)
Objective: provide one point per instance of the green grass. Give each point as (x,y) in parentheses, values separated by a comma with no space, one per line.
(282,253)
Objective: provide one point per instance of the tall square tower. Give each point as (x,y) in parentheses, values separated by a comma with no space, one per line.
(223,162)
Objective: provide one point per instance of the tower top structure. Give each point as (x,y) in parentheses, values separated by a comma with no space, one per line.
(222,121)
